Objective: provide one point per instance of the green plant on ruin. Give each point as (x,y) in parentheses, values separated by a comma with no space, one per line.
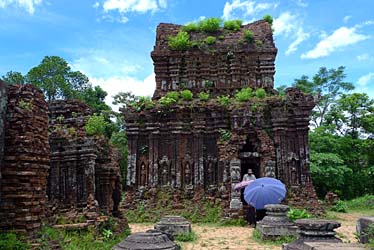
(25,105)
(259,44)
(254,108)
(225,134)
(210,40)
(208,84)
(204,96)
(268,19)
(189,27)
(224,100)
(96,125)
(210,25)
(233,25)
(182,85)
(221,37)
(173,95)
(142,103)
(260,93)
(180,42)
(278,241)
(143,150)
(74,114)
(166,101)
(186,95)
(244,95)
(72,132)
(248,35)
(60,118)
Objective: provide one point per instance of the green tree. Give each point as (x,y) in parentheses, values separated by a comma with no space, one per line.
(328,85)
(352,115)
(94,97)
(56,79)
(14,77)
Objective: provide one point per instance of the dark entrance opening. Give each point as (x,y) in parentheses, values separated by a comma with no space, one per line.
(250,158)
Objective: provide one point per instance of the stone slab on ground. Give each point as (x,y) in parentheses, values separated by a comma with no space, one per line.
(332,246)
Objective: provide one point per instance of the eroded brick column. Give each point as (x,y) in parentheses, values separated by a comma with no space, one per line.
(26,160)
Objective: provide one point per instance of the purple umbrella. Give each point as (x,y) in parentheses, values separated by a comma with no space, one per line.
(263,191)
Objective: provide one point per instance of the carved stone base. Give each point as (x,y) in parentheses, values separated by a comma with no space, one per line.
(174,225)
(276,222)
(152,239)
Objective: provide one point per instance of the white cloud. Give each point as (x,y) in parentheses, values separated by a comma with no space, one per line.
(364,80)
(346,19)
(96,5)
(289,25)
(244,9)
(116,84)
(340,38)
(300,37)
(301,3)
(125,6)
(363,57)
(100,63)
(29,5)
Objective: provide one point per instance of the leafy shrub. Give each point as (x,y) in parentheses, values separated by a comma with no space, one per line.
(224,100)
(186,95)
(180,42)
(225,134)
(190,27)
(96,125)
(243,95)
(248,35)
(143,103)
(10,241)
(295,214)
(259,43)
(204,96)
(210,40)
(173,95)
(340,206)
(268,19)
(233,25)
(260,93)
(208,84)
(210,24)
(186,237)
(166,101)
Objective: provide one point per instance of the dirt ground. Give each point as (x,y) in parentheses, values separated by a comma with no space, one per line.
(210,237)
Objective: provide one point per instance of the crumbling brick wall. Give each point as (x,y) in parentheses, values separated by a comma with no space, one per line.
(25,164)
(81,165)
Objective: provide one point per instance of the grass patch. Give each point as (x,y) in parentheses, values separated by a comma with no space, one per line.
(12,241)
(186,237)
(364,204)
(278,241)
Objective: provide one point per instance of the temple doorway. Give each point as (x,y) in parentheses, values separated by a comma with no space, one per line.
(250,158)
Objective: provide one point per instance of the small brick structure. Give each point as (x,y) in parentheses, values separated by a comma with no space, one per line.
(152,239)
(25,161)
(276,222)
(173,225)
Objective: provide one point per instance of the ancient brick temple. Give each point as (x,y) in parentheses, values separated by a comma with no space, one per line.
(194,145)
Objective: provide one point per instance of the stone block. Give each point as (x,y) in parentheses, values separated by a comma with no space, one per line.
(174,225)
(332,246)
(365,229)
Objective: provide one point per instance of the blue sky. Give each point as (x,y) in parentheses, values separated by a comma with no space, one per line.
(111,40)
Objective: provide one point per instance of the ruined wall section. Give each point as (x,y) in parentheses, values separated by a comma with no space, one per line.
(81,166)
(25,165)
(3,104)
(229,64)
